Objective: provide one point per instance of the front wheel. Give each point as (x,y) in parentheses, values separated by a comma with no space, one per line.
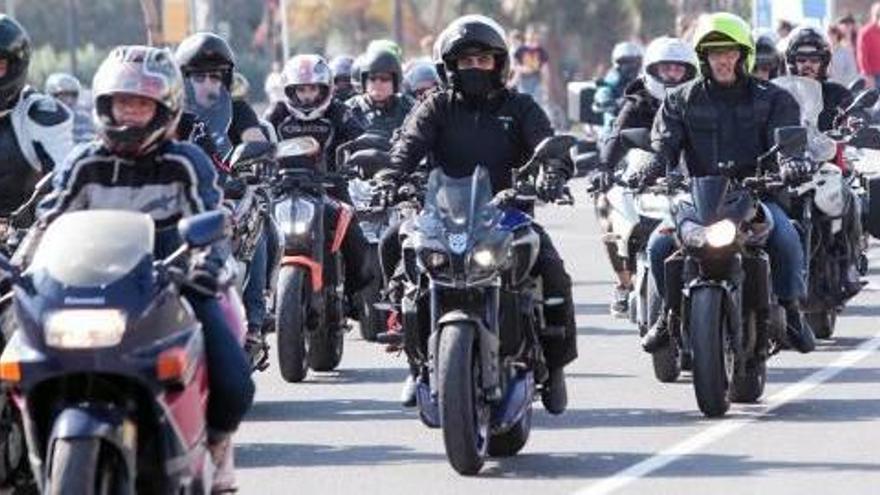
(80,466)
(463,416)
(712,354)
(291,315)
(667,368)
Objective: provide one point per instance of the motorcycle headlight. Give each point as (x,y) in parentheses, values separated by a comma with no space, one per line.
(434,260)
(84,328)
(484,258)
(300,227)
(717,235)
(721,233)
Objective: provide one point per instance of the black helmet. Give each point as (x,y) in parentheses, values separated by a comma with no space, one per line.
(809,41)
(377,61)
(15,47)
(475,31)
(204,52)
(766,55)
(341,67)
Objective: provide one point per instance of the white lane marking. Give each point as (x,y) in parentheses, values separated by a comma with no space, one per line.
(728,426)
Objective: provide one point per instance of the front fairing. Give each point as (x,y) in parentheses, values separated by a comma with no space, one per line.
(460,223)
(298,222)
(712,199)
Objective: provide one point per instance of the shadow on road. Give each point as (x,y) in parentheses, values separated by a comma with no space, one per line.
(328,410)
(263,455)
(861,310)
(591,309)
(851,375)
(594,465)
(827,410)
(616,418)
(590,330)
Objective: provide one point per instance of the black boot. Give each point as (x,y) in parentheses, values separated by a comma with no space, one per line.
(797,332)
(554,395)
(257,349)
(657,336)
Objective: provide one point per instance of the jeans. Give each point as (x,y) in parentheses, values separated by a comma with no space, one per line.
(254,296)
(783,246)
(231,390)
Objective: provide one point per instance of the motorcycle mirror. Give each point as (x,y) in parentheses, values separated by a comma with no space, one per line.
(554,147)
(251,152)
(298,146)
(202,230)
(790,141)
(639,138)
(857,86)
(586,162)
(866,99)
(368,162)
(866,138)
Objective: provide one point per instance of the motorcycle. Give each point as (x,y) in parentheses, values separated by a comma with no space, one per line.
(108,366)
(248,202)
(310,314)
(473,314)
(724,313)
(822,207)
(373,203)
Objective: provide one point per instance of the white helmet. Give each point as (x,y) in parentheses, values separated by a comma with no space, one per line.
(625,49)
(666,49)
(61,82)
(302,70)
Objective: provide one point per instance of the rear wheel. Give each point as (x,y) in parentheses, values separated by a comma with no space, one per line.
(370,319)
(712,354)
(666,365)
(822,323)
(291,316)
(83,466)
(464,419)
(748,384)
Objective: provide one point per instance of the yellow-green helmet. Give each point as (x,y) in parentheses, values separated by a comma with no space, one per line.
(724,29)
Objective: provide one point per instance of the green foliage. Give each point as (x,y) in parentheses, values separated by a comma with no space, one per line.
(47,60)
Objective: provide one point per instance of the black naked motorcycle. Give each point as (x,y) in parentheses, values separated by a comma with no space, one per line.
(724,313)
(473,314)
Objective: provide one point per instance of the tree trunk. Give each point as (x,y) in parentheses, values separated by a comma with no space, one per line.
(152,22)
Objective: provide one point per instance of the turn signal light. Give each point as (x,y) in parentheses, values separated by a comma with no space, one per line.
(172,365)
(10,368)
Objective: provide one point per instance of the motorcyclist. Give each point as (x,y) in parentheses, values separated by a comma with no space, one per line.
(381,108)
(341,67)
(208,65)
(137,166)
(669,63)
(626,58)
(36,132)
(420,79)
(309,109)
(726,116)
(66,89)
(478,121)
(808,55)
(768,61)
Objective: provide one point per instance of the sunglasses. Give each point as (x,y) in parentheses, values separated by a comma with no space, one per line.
(201,77)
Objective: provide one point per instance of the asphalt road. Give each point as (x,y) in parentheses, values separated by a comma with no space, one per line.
(817,429)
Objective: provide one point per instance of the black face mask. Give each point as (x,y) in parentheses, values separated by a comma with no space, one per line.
(475,83)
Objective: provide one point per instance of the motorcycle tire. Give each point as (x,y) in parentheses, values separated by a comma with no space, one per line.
(822,323)
(510,442)
(291,317)
(667,368)
(371,320)
(712,356)
(748,385)
(463,417)
(325,349)
(80,466)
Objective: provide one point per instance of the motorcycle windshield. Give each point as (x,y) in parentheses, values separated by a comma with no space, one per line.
(808,93)
(709,195)
(215,110)
(94,248)
(460,205)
